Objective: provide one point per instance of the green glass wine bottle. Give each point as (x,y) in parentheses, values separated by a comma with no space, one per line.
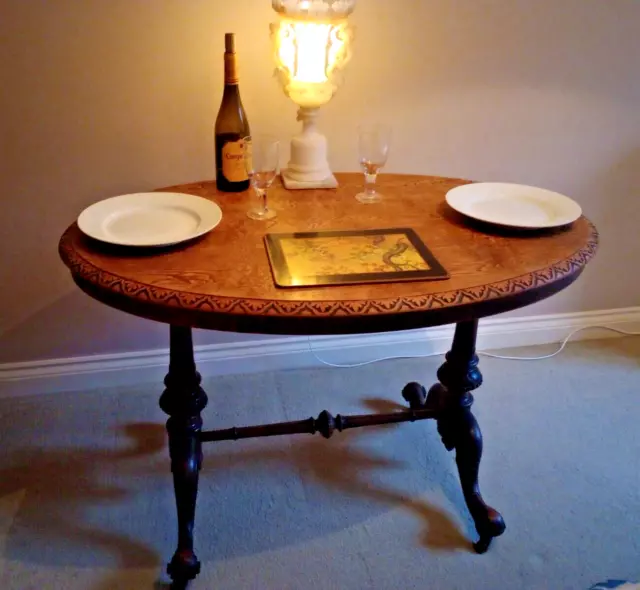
(232,127)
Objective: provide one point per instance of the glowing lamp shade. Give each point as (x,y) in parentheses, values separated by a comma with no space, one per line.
(308,55)
(312,42)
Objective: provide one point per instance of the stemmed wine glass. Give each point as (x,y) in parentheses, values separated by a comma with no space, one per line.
(262,156)
(374,142)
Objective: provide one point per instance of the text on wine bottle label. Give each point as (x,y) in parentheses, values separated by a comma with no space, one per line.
(233,161)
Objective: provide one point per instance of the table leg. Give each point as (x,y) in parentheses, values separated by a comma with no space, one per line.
(184,399)
(457,426)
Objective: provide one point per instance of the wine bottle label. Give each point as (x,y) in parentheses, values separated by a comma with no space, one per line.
(248,155)
(233,161)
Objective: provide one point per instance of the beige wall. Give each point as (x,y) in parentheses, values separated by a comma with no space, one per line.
(101,97)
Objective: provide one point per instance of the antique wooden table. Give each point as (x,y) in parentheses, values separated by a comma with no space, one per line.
(223,282)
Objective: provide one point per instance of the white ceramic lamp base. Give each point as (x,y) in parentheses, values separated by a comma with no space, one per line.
(293,184)
(308,167)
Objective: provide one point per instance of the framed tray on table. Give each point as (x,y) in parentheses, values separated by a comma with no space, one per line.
(309,259)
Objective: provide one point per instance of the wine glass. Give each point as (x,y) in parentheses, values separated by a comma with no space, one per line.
(262,156)
(373,147)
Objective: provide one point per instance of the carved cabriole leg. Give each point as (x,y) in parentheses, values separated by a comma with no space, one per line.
(451,400)
(183,399)
(459,430)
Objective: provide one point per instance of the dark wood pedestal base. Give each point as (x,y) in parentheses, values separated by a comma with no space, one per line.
(184,399)
(451,400)
(448,402)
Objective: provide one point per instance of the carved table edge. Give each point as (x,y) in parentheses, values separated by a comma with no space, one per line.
(141,292)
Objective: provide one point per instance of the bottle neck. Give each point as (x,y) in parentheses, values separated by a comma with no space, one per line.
(230,70)
(231,93)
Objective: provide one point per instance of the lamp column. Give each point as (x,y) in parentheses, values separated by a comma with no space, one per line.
(308,166)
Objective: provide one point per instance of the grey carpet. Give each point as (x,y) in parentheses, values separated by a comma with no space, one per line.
(86,500)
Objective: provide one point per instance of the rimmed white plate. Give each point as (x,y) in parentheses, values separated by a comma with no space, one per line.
(149,219)
(514,205)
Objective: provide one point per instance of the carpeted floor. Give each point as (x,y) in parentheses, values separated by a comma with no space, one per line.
(86,500)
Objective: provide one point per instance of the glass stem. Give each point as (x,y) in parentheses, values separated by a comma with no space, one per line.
(262,193)
(370,184)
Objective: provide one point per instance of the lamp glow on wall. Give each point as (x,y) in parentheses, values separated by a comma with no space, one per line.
(312,43)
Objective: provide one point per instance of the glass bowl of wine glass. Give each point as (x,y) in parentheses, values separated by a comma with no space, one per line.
(374,142)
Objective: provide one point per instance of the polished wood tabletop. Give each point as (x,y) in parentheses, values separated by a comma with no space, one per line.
(224,281)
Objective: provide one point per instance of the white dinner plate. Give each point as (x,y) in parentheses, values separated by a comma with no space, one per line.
(514,205)
(149,219)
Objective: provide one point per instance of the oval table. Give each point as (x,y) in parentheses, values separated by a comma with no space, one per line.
(223,281)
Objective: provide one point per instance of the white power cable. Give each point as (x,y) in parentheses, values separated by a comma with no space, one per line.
(562,346)
(487,354)
(386,358)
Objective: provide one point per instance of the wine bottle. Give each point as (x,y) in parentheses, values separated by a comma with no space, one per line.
(231,128)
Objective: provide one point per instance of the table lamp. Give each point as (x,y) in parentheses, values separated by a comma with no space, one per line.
(312,41)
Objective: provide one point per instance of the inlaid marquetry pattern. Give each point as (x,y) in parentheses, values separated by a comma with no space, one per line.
(186,300)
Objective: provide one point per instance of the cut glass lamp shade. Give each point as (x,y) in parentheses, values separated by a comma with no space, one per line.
(312,44)
(315,8)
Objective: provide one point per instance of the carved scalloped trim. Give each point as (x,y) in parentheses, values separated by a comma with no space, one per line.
(141,292)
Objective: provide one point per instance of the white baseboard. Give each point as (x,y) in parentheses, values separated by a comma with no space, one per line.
(107,370)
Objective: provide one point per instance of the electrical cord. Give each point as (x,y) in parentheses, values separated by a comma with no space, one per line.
(481,353)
